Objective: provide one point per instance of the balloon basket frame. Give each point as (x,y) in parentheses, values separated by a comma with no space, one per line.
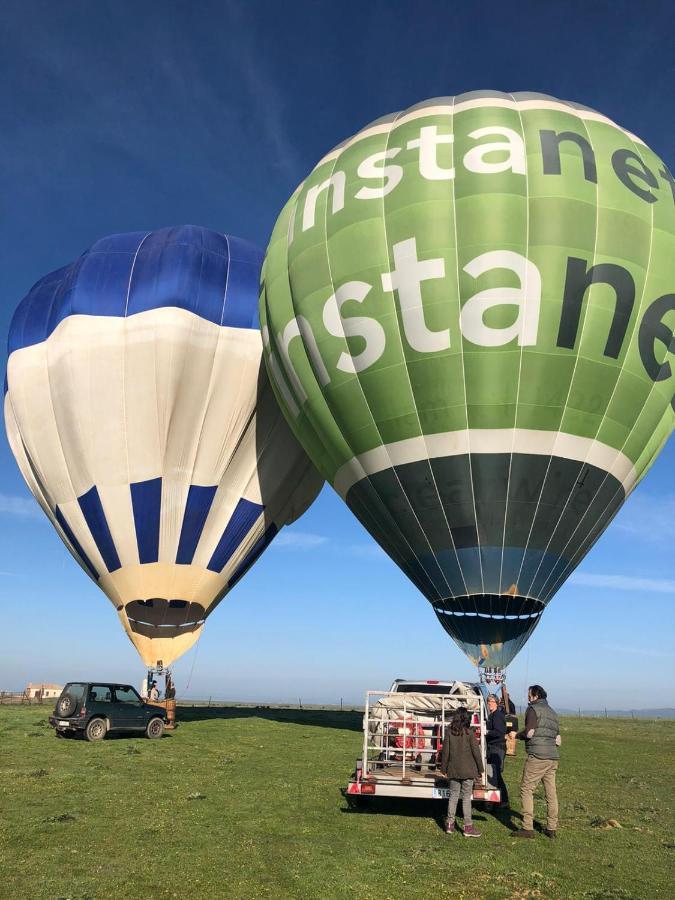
(492,676)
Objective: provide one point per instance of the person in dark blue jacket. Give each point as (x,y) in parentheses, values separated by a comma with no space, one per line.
(495,737)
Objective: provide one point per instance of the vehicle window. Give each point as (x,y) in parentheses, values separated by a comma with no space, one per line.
(422,689)
(75,690)
(100,693)
(126,695)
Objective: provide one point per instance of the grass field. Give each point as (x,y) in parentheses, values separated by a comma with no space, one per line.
(247,803)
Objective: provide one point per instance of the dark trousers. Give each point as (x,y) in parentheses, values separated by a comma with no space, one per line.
(495,757)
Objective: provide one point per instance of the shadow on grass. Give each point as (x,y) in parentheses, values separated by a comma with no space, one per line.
(427,809)
(347,720)
(393,806)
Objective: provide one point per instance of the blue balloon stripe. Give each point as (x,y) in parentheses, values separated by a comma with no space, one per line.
(253,555)
(243,518)
(243,280)
(197,508)
(92,510)
(179,274)
(68,531)
(146,501)
(187,267)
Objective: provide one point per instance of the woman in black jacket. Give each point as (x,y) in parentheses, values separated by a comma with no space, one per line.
(461,763)
(495,737)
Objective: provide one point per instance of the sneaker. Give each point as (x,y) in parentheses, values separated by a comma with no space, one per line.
(549,832)
(450,827)
(524,833)
(471,831)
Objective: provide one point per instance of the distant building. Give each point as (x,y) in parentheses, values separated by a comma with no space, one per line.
(43,691)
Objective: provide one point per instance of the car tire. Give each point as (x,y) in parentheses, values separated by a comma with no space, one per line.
(65,705)
(154,729)
(96,730)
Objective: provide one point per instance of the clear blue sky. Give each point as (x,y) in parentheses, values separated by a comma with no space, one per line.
(121,116)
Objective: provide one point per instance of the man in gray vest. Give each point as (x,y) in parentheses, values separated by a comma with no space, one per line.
(542,740)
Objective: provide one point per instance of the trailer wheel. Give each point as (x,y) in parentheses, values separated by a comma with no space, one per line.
(356,802)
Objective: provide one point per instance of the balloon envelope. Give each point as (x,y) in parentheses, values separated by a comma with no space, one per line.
(467,309)
(140,415)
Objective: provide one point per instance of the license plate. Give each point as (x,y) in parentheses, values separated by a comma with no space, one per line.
(440,793)
(64,723)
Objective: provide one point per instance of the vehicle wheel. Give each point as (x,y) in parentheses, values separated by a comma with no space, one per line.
(154,729)
(356,802)
(66,705)
(95,730)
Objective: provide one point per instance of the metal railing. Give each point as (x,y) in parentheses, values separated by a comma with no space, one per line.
(19,697)
(405,742)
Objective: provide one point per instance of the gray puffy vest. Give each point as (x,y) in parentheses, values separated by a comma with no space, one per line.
(542,743)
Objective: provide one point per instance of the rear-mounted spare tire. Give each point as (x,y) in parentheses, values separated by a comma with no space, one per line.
(66,705)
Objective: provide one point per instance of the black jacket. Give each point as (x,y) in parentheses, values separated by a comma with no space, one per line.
(495,730)
(460,757)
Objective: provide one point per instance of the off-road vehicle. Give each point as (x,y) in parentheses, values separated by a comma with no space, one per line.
(95,709)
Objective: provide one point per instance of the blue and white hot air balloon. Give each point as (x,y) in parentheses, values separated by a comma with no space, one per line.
(142,420)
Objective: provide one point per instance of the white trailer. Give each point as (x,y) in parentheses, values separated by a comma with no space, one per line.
(403,731)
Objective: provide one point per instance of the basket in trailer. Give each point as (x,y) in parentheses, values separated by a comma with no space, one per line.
(402,741)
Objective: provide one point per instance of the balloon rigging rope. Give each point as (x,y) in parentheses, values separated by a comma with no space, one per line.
(194,660)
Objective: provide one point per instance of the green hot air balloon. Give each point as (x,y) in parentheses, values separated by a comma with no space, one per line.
(468,312)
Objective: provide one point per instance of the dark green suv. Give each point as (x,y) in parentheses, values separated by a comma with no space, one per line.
(94,709)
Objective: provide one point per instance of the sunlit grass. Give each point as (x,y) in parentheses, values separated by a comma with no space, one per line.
(247,803)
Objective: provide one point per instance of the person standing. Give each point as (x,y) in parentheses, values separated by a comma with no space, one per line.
(154,692)
(542,740)
(495,738)
(461,763)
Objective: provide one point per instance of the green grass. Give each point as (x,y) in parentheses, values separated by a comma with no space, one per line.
(247,803)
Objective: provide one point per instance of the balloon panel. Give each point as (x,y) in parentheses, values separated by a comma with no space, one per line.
(467,310)
(141,418)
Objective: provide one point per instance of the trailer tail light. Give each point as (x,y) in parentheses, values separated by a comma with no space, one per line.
(433,682)
(367,788)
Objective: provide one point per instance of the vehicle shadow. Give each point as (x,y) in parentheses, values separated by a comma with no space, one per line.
(393,806)
(346,720)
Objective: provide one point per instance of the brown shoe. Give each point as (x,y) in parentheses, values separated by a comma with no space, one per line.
(524,833)
(549,833)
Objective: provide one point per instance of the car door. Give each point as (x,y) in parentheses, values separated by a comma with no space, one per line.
(129,708)
(99,702)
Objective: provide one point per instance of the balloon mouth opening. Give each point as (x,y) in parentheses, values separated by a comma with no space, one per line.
(490,606)
(157,617)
